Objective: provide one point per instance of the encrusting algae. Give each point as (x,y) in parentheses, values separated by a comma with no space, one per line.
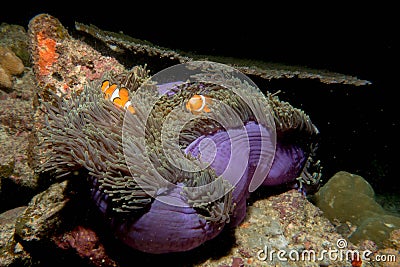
(47,53)
(62,63)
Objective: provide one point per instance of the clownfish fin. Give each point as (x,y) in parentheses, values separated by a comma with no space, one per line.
(123,93)
(207,109)
(128,106)
(104,85)
(118,101)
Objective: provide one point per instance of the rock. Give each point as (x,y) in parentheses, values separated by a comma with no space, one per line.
(286,222)
(47,227)
(376,228)
(48,232)
(61,62)
(10,62)
(84,242)
(10,65)
(5,78)
(18,182)
(41,218)
(394,240)
(348,197)
(158,58)
(11,252)
(15,37)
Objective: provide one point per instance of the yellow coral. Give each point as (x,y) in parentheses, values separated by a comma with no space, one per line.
(10,65)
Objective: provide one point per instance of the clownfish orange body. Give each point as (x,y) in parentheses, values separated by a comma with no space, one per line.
(119,96)
(198,104)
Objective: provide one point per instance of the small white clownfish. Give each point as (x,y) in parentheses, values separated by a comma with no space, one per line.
(119,96)
(198,104)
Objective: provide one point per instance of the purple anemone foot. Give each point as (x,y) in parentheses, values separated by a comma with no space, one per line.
(167,227)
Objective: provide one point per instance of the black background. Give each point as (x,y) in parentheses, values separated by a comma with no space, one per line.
(357,40)
(358,125)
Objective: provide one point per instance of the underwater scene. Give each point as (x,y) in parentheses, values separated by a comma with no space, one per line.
(123,146)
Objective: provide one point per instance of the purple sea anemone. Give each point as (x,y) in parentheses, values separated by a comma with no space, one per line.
(170,176)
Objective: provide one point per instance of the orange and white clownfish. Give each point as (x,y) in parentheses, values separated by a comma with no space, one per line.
(198,104)
(119,96)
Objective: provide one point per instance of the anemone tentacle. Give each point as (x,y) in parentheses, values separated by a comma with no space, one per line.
(132,168)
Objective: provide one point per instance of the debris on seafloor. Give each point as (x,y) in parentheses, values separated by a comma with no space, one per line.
(158,58)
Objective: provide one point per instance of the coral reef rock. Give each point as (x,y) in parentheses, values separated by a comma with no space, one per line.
(130,49)
(41,217)
(56,223)
(10,65)
(61,62)
(15,37)
(11,251)
(18,182)
(348,197)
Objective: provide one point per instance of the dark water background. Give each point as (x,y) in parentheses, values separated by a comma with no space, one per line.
(359,126)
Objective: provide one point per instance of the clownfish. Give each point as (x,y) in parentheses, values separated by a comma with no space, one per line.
(119,96)
(198,104)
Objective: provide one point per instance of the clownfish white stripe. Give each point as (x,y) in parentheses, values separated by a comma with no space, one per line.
(198,104)
(127,104)
(203,103)
(115,94)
